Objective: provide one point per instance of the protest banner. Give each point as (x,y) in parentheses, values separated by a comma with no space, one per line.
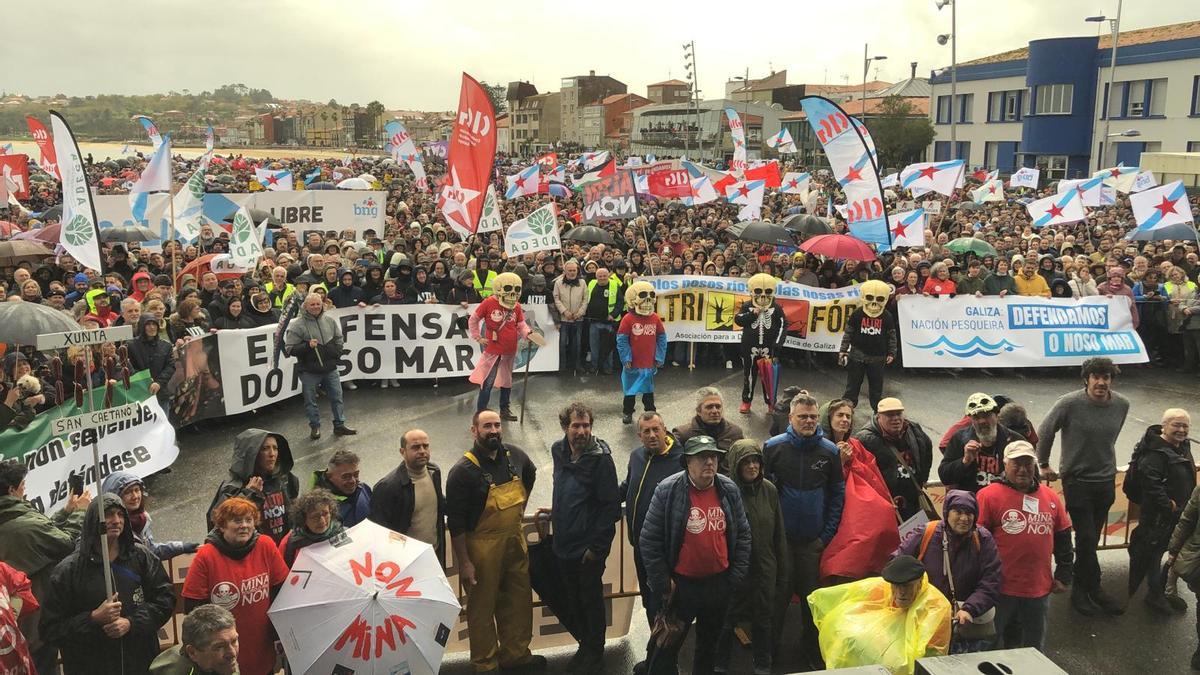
(1016,332)
(536,232)
(610,198)
(142,442)
(230,371)
(701,309)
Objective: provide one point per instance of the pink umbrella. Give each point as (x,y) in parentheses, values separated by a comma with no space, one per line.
(48,234)
(8,229)
(838,247)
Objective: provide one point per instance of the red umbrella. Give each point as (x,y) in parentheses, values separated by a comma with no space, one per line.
(201,265)
(47,234)
(838,247)
(8,229)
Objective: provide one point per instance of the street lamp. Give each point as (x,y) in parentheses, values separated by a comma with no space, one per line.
(1115,26)
(866,67)
(952,38)
(689,64)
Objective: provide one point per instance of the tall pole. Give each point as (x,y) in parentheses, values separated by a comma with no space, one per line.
(862,114)
(953,79)
(696,102)
(1112,70)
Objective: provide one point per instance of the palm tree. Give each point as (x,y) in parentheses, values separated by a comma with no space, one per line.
(324,128)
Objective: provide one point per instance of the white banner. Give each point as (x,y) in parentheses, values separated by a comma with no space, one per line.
(536,232)
(1016,331)
(387,342)
(701,309)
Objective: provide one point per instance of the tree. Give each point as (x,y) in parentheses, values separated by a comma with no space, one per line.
(498,94)
(900,133)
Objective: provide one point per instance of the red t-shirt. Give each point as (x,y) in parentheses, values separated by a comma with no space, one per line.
(1023,525)
(704,551)
(14,652)
(643,332)
(244,588)
(499,326)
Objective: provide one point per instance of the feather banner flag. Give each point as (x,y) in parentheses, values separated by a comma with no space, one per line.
(48,161)
(470,158)
(151,129)
(80,233)
(852,160)
(188,205)
(156,177)
(404,150)
(737,131)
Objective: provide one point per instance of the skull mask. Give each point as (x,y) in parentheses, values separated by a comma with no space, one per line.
(762,290)
(641,298)
(875,296)
(507,289)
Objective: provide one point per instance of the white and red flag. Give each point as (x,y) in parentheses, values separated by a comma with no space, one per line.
(471,154)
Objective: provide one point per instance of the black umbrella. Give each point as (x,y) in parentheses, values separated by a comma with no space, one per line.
(258,216)
(762,232)
(52,213)
(807,225)
(128,234)
(321,185)
(589,233)
(968,206)
(1177,232)
(23,322)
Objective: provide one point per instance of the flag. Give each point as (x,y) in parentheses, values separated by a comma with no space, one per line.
(536,232)
(983,175)
(151,130)
(209,140)
(720,180)
(403,149)
(749,194)
(5,184)
(16,173)
(188,205)
(1161,206)
(1144,181)
(1065,207)
(591,160)
(156,177)
(670,184)
(869,142)
(738,164)
(547,161)
(489,220)
(524,182)
(6,149)
(1089,189)
(940,177)
(80,233)
(767,172)
(908,228)
(611,198)
(782,142)
(274,179)
(126,150)
(795,183)
(1025,177)
(312,176)
(991,191)
(602,170)
(702,192)
(48,161)
(244,246)
(851,154)
(469,165)
(1119,177)
(890,180)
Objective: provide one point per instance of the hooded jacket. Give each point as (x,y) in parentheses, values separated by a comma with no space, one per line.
(899,479)
(304,327)
(768,539)
(352,508)
(151,353)
(77,587)
(115,483)
(394,499)
(1167,474)
(644,474)
(808,475)
(267,318)
(974,558)
(105,318)
(33,543)
(988,465)
(346,295)
(279,489)
(586,503)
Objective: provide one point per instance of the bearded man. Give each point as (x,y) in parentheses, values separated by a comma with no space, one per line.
(974,457)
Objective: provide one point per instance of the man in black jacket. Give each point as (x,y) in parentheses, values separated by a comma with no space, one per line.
(409,500)
(586,509)
(902,451)
(100,634)
(974,457)
(1165,471)
(150,352)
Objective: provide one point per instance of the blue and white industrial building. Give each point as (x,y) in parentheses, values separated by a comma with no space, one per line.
(1044,105)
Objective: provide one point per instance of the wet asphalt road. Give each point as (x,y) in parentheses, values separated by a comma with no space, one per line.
(1136,642)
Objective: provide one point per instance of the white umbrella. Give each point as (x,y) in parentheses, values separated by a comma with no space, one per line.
(373,601)
(368,177)
(354,184)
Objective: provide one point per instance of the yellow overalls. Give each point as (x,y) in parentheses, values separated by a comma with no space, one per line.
(501,601)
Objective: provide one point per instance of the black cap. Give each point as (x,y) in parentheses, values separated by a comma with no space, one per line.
(903,569)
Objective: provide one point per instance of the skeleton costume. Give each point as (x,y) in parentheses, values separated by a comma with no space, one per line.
(764,327)
(869,342)
(642,346)
(500,321)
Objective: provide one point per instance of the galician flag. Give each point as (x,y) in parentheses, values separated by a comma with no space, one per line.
(1059,209)
(1025,177)
(940,177)
(1161,206)
(244,246)
(990,191)
(1089,189)
(274,179)
(890,180)
(151,130)
(536,232)
(908,228)
(188,204)
(782,142)
(525,182)
(795,183)
(702,192)
(749,194)
(155,178)
(1119,177)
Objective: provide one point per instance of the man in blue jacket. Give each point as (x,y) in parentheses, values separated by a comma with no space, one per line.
(804,466)
(341,478)
(657,458)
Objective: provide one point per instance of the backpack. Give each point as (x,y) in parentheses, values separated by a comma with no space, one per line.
(928,536)
(1132,484)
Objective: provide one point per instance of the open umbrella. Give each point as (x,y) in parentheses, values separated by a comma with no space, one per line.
(22,322)
(762,232)
(8,229)
(807,225)
(968,206)
(354,184)
(1177,232)
(128,234)
(588,233)
(16,251)
(48,234)
(198,267)
(971,245)
(838,247)
(368,177)
(373,598)
(321,185)
(258,216)
(52,213)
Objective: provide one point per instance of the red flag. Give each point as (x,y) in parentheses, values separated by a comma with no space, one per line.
(49,160)
(471,154)
(980,175)
(768,171)
(673,184)
(548,161)
(16,169)
(868,532)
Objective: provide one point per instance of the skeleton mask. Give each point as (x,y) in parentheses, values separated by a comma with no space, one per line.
(875,296)
(762,290)
(507,289)
(641,298)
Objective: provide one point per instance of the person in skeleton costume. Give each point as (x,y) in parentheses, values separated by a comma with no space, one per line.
(764,327)
(642,345)
(869,342)
(499,324)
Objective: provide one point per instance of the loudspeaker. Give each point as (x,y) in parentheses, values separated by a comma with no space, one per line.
(1026,661)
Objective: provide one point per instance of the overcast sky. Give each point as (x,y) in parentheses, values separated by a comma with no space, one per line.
(409,54)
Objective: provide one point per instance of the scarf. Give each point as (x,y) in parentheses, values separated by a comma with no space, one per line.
(229,550)
(301,537)
(138,519)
